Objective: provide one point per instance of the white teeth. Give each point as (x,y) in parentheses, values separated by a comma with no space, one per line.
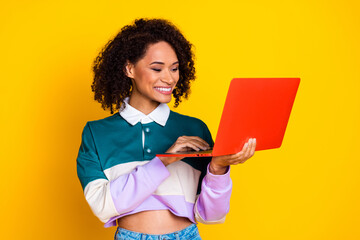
(164,89)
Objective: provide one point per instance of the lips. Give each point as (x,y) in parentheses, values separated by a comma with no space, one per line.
(163,90)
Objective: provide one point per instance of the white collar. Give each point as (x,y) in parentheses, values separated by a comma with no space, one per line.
(159,115)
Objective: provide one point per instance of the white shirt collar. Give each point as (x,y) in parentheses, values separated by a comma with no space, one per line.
(159,115)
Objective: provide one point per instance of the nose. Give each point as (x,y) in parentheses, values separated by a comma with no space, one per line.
(168,78)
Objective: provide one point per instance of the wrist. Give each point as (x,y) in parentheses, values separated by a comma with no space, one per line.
(163,160)
(216,169)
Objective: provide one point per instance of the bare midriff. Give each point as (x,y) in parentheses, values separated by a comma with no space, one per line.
(153,222)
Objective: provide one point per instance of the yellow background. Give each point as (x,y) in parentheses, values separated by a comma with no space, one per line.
(307,189)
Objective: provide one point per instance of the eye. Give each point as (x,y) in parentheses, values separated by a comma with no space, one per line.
(156,69)
(175,69)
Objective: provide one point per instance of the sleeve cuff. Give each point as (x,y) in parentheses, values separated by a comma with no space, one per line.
(157,171)
(218,182)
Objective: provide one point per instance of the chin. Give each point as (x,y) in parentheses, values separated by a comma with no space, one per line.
(164,100)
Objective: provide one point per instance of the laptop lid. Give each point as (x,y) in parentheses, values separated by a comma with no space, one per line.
(254,108)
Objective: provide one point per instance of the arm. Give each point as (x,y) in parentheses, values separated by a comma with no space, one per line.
(213,203)
(123,194)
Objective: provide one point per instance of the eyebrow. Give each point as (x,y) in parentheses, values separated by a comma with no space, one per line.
(163,63)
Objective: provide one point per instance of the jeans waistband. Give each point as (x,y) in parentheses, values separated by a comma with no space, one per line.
(186,233)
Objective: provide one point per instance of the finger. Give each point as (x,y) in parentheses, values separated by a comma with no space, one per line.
(245,146)
(226,159)
(243,150)
(180,146)
(198,139)
(236,158)
(195,140)
(253,148)
(243,155)
(248,150)
(201,144)
(239,161)
(184,146)
(242,160)
(232,158)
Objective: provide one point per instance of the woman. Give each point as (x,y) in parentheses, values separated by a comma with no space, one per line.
(149,197)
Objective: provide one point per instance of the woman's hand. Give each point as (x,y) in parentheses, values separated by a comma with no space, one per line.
(219,165)
(183,144)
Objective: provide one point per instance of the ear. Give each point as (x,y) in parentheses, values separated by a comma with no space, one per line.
(129,69)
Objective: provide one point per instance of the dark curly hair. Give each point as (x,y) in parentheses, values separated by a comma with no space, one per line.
(111,84)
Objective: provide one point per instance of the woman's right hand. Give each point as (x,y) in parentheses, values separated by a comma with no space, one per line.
(183,144)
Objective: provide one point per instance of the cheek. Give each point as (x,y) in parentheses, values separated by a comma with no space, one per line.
(147,77)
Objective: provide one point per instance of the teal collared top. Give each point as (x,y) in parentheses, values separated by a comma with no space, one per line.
(120,174)
(115,141)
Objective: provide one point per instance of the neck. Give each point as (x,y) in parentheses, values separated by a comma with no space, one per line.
(143,106)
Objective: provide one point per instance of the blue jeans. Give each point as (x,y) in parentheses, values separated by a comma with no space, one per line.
(189,233)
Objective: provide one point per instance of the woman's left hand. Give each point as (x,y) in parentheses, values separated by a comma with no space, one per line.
(219,165)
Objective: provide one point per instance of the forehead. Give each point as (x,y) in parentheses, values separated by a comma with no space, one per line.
(161,51)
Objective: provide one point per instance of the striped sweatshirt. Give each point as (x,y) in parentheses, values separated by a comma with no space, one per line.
(121,175)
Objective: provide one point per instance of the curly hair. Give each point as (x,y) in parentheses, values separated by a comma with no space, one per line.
(111,85)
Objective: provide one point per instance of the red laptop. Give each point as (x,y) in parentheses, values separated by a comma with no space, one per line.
(254,108)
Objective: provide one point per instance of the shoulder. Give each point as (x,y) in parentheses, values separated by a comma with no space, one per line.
(115,118)
(106,125)
(105,120)
(184,119)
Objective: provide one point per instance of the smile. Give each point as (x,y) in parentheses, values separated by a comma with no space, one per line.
(163,90)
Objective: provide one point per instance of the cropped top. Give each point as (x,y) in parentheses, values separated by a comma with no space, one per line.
(121,175)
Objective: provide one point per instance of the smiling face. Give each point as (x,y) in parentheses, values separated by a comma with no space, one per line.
(154,77)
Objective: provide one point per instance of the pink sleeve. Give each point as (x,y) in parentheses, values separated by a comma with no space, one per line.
(130,190)
(213,202)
